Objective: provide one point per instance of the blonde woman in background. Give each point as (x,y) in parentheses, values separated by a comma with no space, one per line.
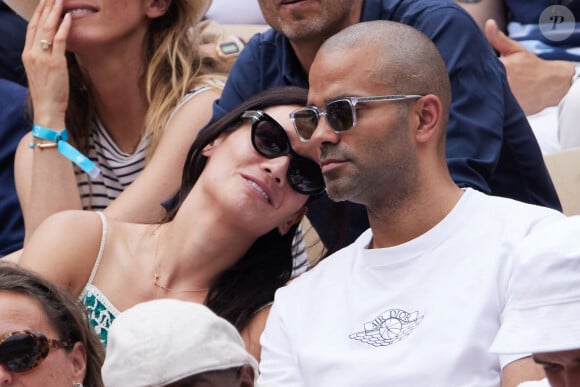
(128,81)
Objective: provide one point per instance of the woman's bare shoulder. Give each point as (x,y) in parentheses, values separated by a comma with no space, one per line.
(64,247)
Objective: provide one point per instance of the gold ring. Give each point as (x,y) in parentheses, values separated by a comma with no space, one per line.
(45,44)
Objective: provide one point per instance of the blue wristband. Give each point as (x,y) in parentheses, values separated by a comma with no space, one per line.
(66,149)
(49,134)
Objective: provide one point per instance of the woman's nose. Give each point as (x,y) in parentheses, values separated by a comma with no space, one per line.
(278,167)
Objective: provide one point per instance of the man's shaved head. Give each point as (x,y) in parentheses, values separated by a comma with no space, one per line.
(407,62)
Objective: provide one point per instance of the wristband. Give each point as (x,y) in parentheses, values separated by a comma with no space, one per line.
(42,146)
(66,149)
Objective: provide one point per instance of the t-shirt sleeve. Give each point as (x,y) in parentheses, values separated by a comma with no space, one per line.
(278,364)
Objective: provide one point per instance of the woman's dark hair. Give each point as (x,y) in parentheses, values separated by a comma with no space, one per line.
(64,313)
(267,265)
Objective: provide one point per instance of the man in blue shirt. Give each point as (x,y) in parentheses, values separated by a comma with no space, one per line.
(490,145)
(13,125)
(541,55)
(13,32)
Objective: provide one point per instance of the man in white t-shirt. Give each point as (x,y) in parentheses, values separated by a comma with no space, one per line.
(542,315)
(417,299)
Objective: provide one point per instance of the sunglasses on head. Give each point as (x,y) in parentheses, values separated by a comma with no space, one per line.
(340,114)
(23,350)
(270,140)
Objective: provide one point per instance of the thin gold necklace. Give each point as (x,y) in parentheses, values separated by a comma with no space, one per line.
(156,274)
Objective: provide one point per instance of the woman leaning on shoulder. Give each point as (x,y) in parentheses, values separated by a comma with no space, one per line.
(229,242)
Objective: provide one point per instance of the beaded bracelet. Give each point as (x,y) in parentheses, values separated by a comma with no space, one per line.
(64,148)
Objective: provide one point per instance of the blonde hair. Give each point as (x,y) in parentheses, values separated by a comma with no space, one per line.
(175,65)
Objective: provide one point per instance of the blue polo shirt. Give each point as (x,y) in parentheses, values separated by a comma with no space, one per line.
(13,125)
(490,145)
(524,26)
(12,36)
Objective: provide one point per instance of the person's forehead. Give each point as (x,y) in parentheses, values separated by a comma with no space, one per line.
(18,312)
(281,114)
(333,76)
(227,377)
(565,356)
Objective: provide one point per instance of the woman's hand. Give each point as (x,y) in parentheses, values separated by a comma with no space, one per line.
(45,63)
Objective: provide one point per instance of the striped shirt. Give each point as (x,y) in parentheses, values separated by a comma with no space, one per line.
(548,28)
(118,169)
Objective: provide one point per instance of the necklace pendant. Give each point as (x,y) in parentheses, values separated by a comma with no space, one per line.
(157,284)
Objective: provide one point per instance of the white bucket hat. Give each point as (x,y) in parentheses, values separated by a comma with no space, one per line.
(25,8)
(162,341)
(543,312)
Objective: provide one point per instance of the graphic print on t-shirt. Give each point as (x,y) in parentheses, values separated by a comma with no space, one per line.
(389,327)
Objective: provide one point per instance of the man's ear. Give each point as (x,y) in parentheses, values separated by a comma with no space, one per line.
(157,8)
(292,220)
(208,149)
(429,111)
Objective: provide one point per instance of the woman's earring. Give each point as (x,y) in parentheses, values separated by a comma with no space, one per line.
(77,384)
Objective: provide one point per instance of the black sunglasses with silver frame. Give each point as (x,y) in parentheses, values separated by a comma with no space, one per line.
(270,140)
(340,114)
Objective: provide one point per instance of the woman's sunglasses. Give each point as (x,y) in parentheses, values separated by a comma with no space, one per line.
(340,114)
(270,140)
(23,350)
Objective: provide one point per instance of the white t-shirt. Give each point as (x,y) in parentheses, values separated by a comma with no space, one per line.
(235,12)
(423,313)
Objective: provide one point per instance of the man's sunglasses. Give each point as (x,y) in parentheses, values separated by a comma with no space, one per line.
(340,114)
(270,140)
(23,350)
